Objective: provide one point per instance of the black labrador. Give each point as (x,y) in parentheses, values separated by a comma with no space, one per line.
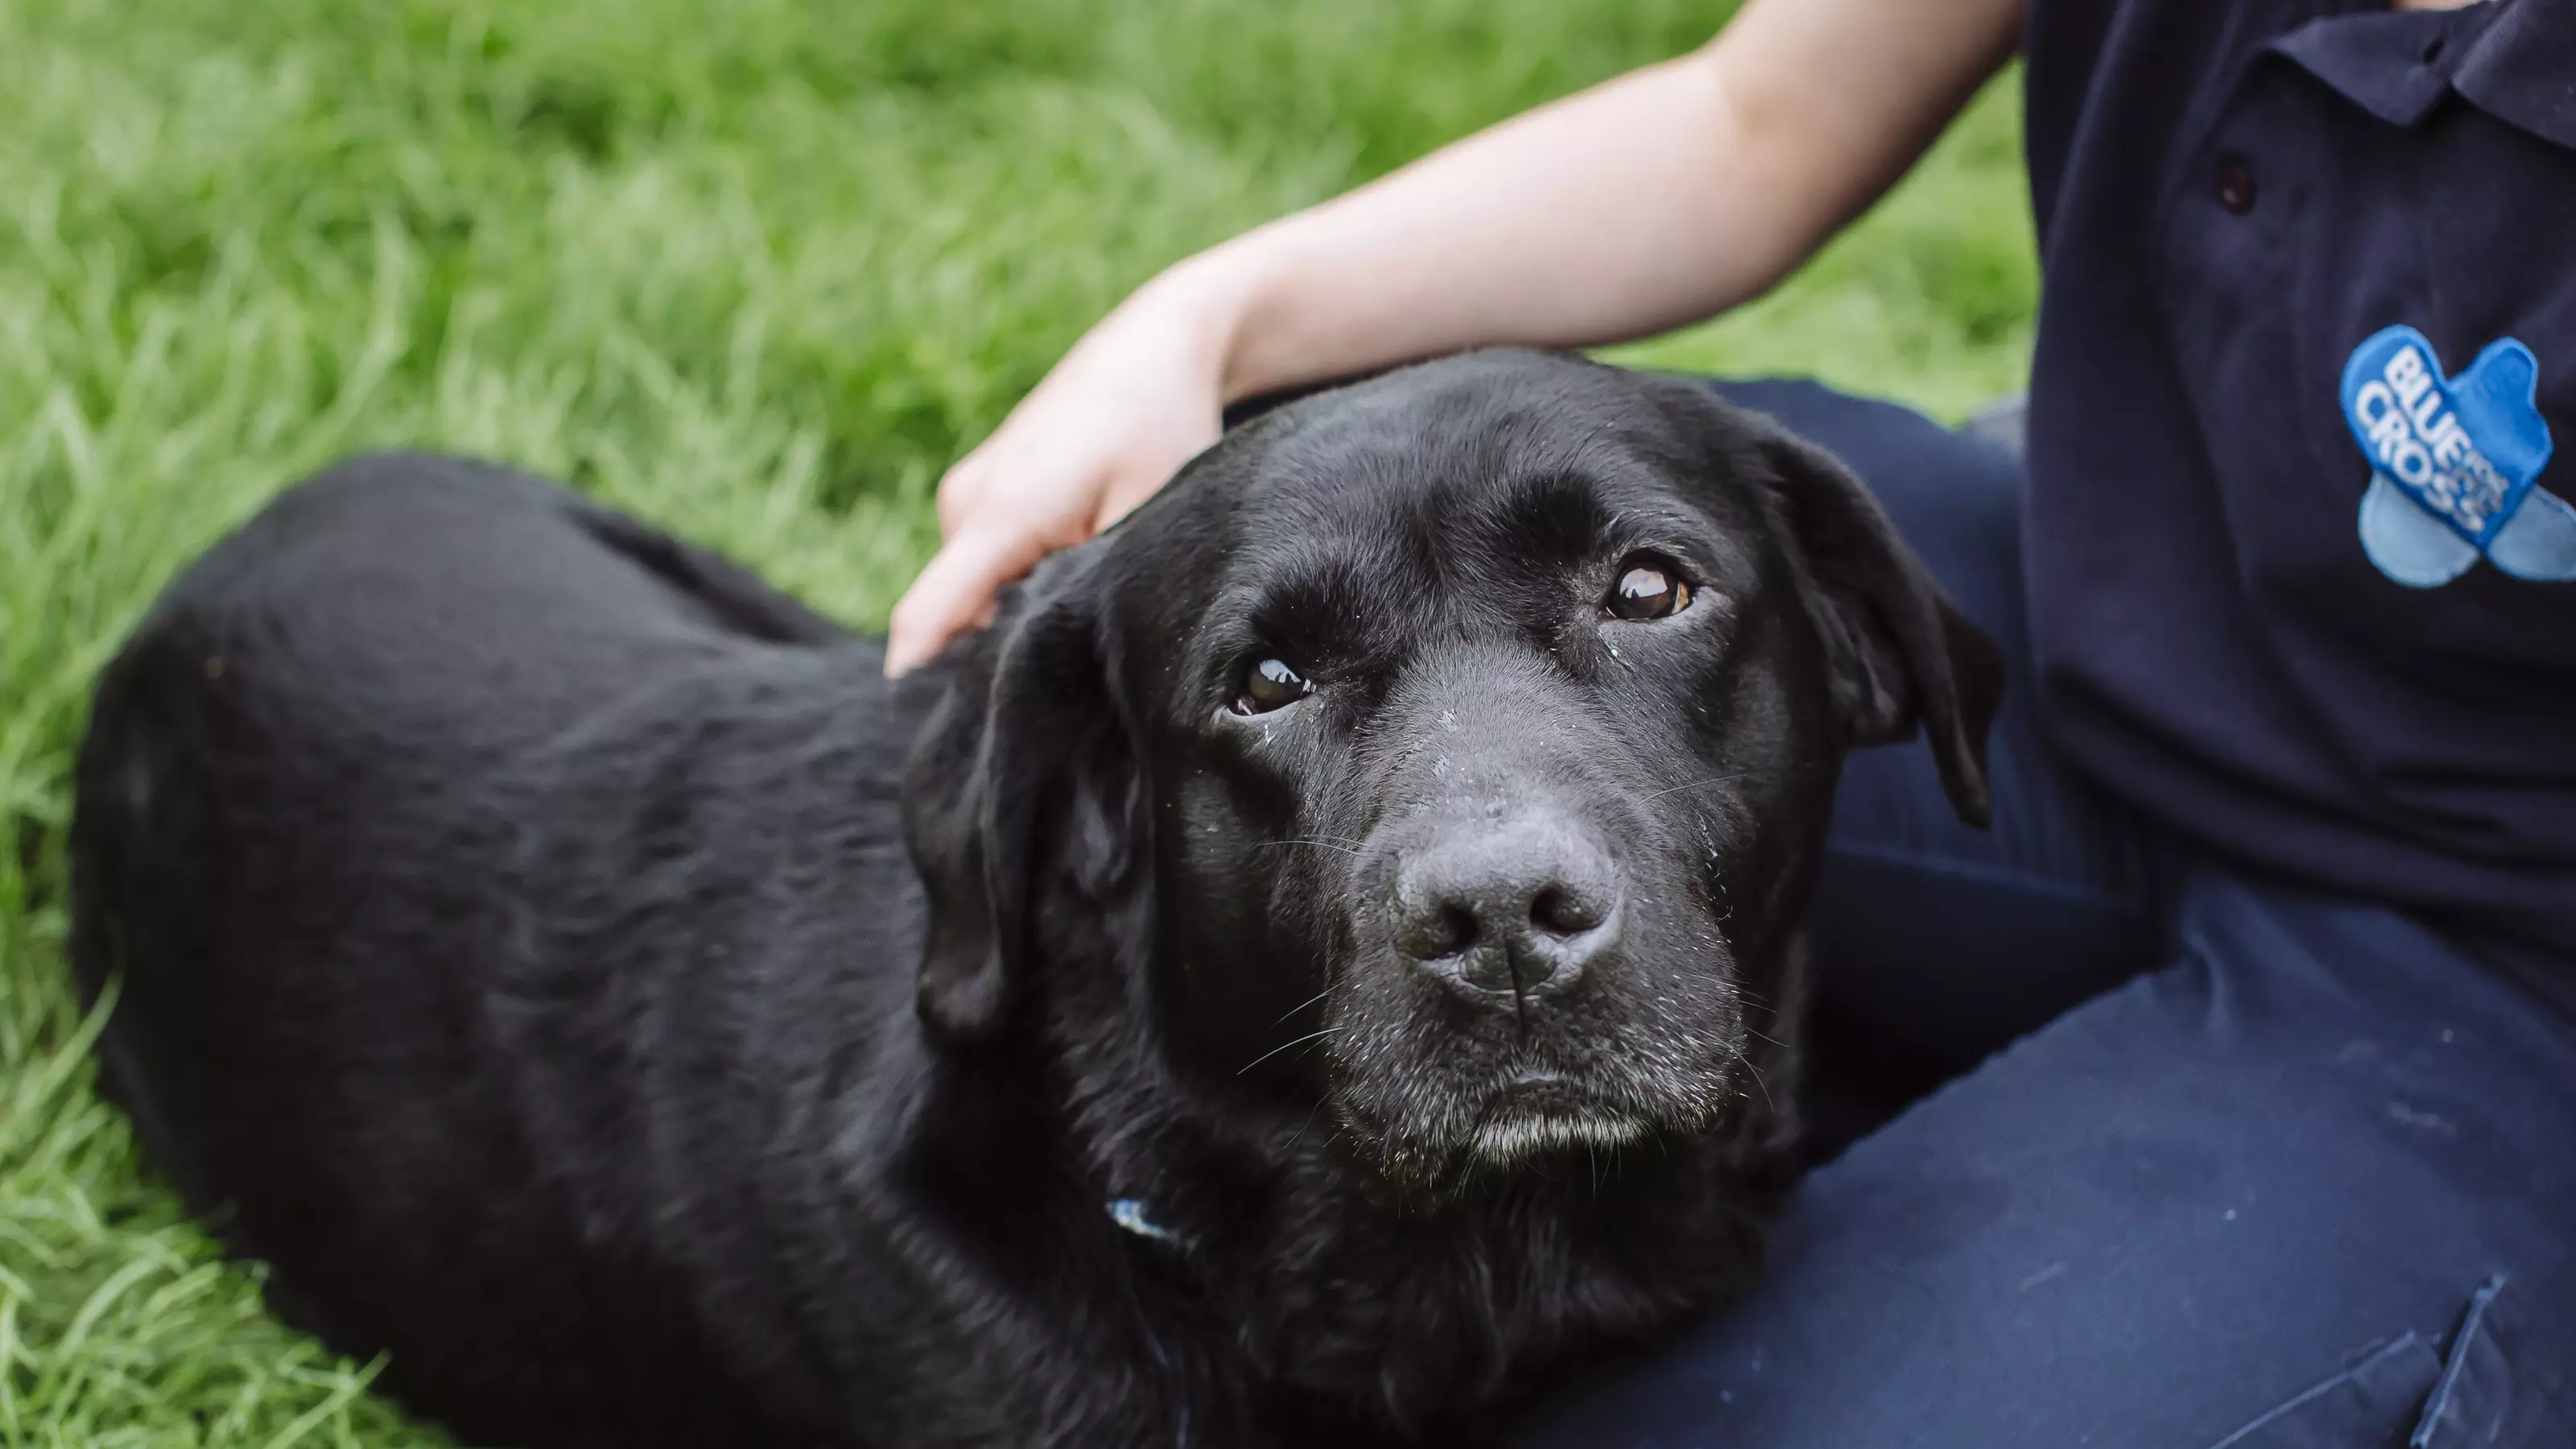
(1327,953)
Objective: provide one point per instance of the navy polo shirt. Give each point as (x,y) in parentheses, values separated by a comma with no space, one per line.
(2300,544)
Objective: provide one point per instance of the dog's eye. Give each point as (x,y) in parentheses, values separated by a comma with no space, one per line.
(1648,588)
(1271,684)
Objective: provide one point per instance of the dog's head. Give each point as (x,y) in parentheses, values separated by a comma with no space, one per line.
(1462,744)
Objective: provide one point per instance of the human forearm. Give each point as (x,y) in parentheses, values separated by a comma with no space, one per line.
(1658,198)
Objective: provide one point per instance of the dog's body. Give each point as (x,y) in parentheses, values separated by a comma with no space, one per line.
(532,945)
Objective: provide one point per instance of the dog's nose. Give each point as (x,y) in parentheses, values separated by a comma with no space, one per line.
(1506,913)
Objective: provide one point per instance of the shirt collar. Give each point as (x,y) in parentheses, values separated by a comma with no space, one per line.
(2523,69)
(2513,59)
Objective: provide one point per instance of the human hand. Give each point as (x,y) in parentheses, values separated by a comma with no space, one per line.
(1138,396)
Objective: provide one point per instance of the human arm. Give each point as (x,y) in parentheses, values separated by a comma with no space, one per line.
(1654,199)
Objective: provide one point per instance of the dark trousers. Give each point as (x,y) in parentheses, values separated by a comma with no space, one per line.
(2230,1162)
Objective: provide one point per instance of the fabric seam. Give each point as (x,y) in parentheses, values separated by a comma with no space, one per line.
(2440,1401)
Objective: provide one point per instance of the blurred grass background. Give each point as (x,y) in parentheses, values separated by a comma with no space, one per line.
(757,270)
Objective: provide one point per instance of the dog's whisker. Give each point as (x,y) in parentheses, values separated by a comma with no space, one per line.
(1327,991)
(1319,844)
(1307,1126)
(1765,1086)
(1693,785)
(1283,1046)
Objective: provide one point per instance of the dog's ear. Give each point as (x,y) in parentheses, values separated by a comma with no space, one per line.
(994,776)
(1899,651)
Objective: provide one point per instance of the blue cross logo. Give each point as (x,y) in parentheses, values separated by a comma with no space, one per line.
(2454,463)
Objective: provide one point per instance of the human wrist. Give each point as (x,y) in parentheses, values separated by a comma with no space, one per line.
(1193,311)
(1230,301)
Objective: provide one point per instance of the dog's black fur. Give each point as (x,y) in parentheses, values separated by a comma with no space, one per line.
(534,946)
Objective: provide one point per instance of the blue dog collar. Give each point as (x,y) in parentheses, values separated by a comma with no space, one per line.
(1130,1213)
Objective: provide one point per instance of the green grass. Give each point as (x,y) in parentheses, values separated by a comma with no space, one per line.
(758,270)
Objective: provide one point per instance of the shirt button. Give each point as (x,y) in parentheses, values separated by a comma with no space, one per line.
(2236,183)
